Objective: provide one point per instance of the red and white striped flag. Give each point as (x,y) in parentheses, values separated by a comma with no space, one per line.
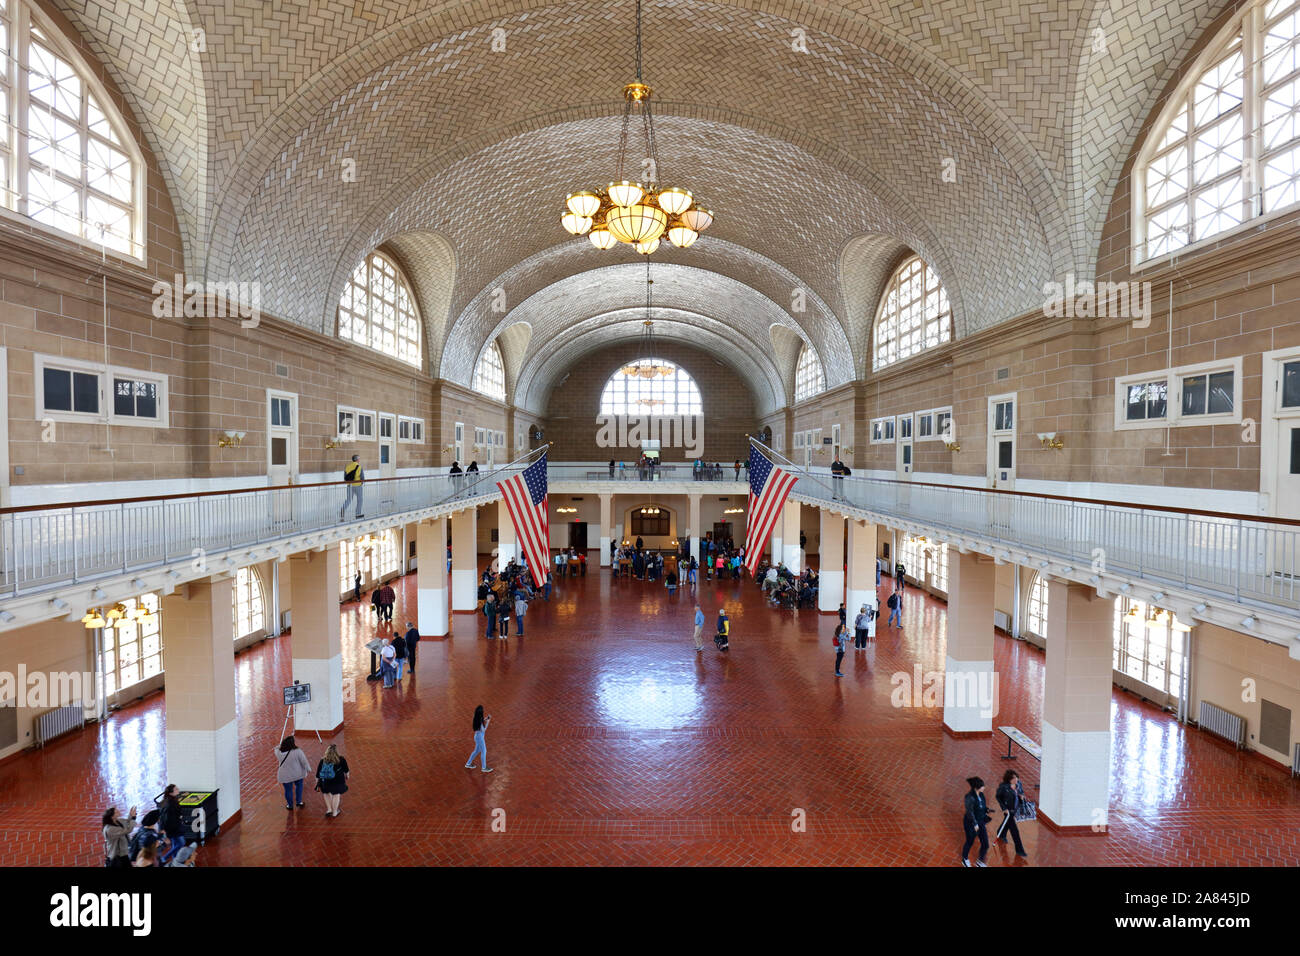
(525,498)
(769,486)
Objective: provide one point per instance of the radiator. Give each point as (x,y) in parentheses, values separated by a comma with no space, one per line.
(1220,722)
(1002,621)
(60,720)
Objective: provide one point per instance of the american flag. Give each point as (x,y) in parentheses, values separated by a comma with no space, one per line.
(525,497)
(769,486)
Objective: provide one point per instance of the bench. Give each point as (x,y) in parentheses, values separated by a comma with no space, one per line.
(1016,736)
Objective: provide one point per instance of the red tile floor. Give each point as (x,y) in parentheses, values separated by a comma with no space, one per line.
(615,743)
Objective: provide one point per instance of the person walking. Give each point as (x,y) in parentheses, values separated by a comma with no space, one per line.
(388,597)
(332,779)
(480,740)
(723,638)
(292,769)
(895,609)
(899,571)
(117,832)
(171,822)
(975,816)
(860,625)
(841,642)
(376,605)
(490,612)
(699,628)
(457,477)
(844,616)
(354,476)
(611,469)
(521,608)
(356,587)
(1010,795)
(503,613)
(546,589)
(399,654)
(412,639)
(146,836)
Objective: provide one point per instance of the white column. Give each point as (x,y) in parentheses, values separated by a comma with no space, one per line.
(199,658)
(431,577)
(606,527)
(1075,787)
(862,571)
(830,566)
(507,546)
(790,518)
(694,529)
(464,560)
(317,648)
(970,683)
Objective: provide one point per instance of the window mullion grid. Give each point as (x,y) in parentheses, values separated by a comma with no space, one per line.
(1252,58)
(21,27)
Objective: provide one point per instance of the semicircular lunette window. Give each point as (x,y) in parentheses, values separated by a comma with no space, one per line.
(651,386)
(914,315)
(808,376)
(377,310)
(490,373)
(1226,149)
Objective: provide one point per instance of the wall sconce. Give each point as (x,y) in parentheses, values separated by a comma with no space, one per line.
(331,443)
(1050,440)
(230,439)
(846,451)
(952,445)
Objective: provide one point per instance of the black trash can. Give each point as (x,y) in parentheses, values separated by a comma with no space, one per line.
(198,814)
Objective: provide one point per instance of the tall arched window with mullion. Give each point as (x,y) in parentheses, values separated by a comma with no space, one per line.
(377,310)
(651,386)
(808,376)
(914,315)
(67,160)
(490,373)
(249,603)
(1226,148)
(1036,607)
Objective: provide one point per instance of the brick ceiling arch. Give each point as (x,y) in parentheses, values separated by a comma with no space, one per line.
(866,264)
(429,263)
(561,313)
(546,369)
(492,309)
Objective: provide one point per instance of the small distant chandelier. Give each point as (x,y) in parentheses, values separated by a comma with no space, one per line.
(632,213)
(649,367)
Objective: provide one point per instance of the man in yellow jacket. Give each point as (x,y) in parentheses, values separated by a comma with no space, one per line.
(353,475)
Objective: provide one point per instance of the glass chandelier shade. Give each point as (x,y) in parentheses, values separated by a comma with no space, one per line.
(639,223)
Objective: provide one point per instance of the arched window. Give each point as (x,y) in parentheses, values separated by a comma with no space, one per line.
(249,605)
(915,315)
(377,310)
(69,163)
(1226,148)
(490,373)
(373,556)
(808,376)
(1036,607)
(133,645)
(651,386)
(1150,645)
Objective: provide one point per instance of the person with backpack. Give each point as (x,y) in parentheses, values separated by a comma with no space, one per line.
(480,740)
(899,571)
(117,854)
(974,817)
(399,654)
(723,638)
(895,603)
(386,667)
(841,643)
(291,770)
(354,476)
(1010,796)
(490,612)
(171,821)
(376,604)
(147,837)
(332,779)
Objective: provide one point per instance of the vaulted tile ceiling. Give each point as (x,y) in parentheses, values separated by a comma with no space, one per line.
(823,167)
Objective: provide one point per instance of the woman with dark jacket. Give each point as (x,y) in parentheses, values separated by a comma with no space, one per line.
(974,818)
(170,822)
(1011,793)
(116,832)
(332,779)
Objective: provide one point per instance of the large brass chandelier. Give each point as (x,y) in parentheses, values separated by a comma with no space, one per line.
(629,212)
(648,367)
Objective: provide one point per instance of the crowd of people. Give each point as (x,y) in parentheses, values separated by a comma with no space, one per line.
(160,838)
(505,594)
(784,588)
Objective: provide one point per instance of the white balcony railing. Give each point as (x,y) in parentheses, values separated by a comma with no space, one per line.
(46,547)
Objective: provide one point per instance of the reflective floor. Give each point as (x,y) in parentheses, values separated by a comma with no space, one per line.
(613,742)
